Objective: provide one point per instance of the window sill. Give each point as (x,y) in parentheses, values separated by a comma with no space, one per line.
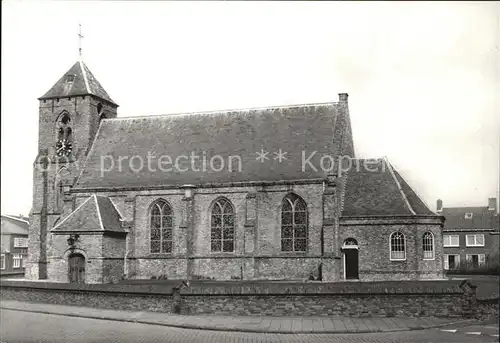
(398,260)
(160,254)
(474,246)
(429,259)
(292,254)
(451,246)
(222,253)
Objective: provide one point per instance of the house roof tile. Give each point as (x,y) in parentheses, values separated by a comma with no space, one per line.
(482,218)
(13,225)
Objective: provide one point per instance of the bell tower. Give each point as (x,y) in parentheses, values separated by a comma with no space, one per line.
(69,117)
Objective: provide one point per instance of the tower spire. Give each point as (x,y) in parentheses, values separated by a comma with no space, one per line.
(80,36)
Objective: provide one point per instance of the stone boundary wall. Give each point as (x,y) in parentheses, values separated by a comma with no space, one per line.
(451,298)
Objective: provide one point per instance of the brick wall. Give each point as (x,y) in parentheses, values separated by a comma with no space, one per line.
(419,298)
(47,207)
(491,244)
(257,252)
(90,246)
(334,305)
(257,233)
(373,237)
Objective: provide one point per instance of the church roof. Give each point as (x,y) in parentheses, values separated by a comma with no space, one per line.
(13,225)
(374,187)
(232,140)
(96,214)
(78,80)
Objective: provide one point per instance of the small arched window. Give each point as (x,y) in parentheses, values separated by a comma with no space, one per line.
(293,223)
(222,226)
(63,126)
(428,246)
(398,246)
(161,228)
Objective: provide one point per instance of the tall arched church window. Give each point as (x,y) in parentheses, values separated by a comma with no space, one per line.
(428,246)
(222,226)
(293,223)
(161,227)
(398,246)
(64,144)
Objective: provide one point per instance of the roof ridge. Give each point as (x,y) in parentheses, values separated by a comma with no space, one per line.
(88,154)
(116,208)
(342,195)
(386,160)
(416,194)
(458,207)
(15,218)
(85,78)
(272,107)
(69,215)
(98,211)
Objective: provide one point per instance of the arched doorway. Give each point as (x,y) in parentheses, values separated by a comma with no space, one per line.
(76,271)
(351,259)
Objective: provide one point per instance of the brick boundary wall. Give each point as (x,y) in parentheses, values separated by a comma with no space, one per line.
(450,298)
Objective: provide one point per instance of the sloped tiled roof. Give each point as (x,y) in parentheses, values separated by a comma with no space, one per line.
(84,83)
(415,201)
(482,218)
(95,214)
(240,133)
(375,188)
(14,225)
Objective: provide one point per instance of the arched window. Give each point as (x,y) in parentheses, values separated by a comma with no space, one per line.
(222,226)
(64,127)
(64,143)
(428,246)
(398,246)
(161,227)
(293,223)
(350,243)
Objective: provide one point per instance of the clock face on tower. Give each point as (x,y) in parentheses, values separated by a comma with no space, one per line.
(63,147)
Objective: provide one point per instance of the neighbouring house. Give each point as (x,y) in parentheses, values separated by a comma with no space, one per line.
(262,193)
(14,251)
(470,235)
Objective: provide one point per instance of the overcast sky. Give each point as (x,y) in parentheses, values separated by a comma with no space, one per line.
(422,78)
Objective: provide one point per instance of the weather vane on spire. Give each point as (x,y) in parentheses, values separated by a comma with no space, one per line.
(80,36)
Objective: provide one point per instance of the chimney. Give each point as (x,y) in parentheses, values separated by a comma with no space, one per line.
(492,204)
(439,205)
(343,97)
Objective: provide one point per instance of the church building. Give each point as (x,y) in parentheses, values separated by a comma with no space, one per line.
(270,193)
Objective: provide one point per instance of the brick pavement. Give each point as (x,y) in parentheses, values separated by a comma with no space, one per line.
(243,324)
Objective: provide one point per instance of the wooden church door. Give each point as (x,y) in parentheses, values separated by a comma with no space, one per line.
(351,259)
(76,269)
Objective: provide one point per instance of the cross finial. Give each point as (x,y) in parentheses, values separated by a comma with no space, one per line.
(80,36)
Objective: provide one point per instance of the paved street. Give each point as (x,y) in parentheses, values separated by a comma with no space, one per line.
(19,326)
(259,324)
